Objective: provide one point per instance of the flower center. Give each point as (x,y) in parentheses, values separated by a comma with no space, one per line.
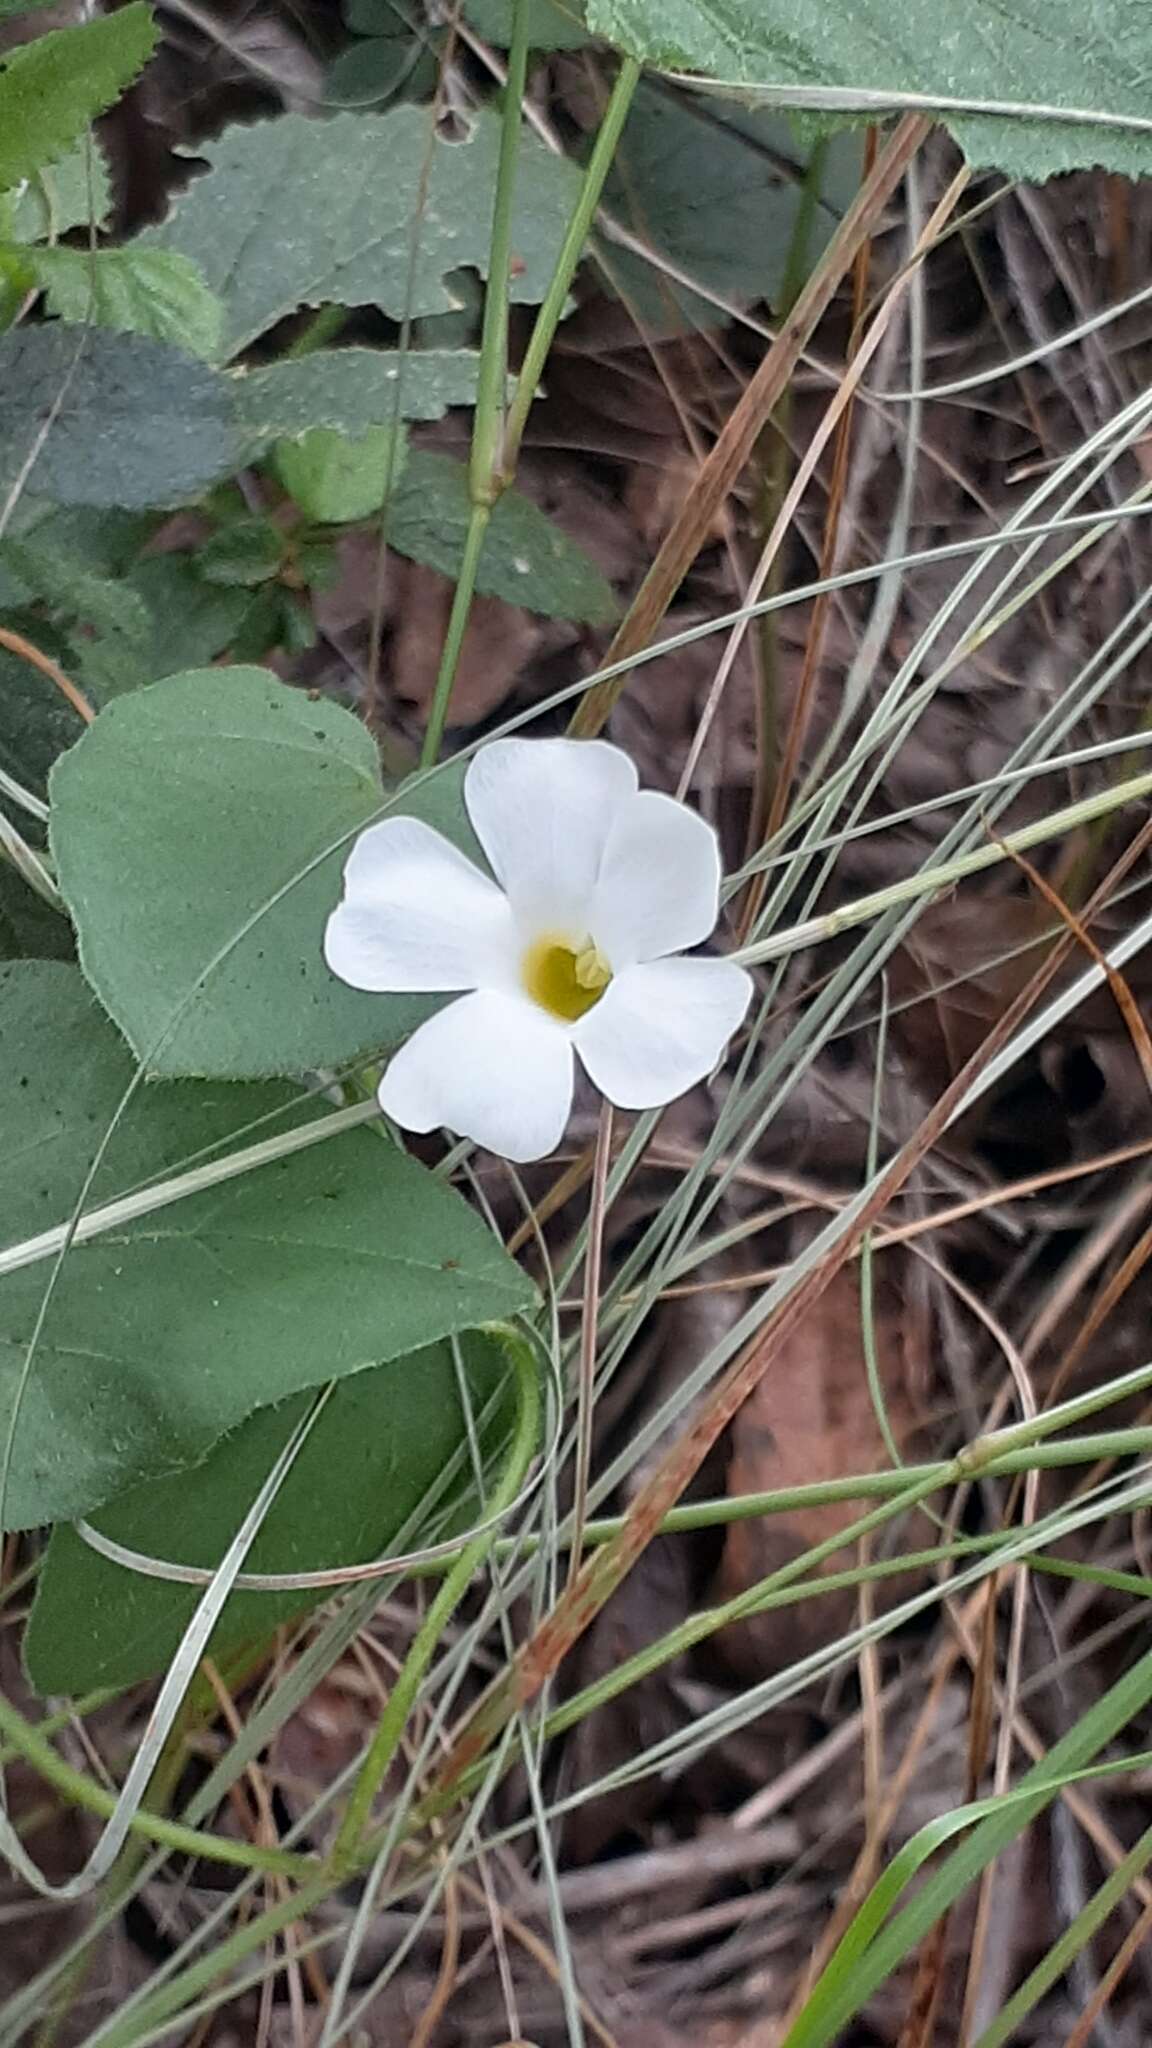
(566,979)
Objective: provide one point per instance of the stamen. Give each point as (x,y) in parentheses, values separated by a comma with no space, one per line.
(592,969)
(565,978)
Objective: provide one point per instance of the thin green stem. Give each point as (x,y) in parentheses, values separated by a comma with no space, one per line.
(185,1841)
(775,454)
(492,379)
(1068,1946)
(742,1507)
(484,482)
(121,1880)
(877,1942)
(927,881)
(146,2017)
(454,638)
(495,442)
(350,1850)
(571,249)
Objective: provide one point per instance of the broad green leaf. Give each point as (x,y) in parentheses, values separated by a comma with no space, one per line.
(168,1331)
(200,830)
(388,1440)
(139,291)
(51,88)
(360,210)
(354,388)
(527,560)
(337,477)
(75,193)
(551,25)
(111,419)
(1039,58)
(718,192)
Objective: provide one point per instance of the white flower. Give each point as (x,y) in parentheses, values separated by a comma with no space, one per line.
(598,885)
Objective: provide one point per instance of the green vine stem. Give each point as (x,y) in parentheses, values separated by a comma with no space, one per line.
(349,1850)
(1005,1451)
(32,1746)
(496,442)
(571,249)
(492,383)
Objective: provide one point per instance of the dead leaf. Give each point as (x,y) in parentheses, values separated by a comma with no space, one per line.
(811,1418)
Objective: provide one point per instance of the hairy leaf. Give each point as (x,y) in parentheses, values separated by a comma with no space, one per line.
(75,193)
(394,1435)
(1055,56)
(719,193)
(167,1331)
(94,418)
(527,559)
(336,477)
(200,830)
(354,388)
(139,291)
(552,24)
(360,210)
(51,88)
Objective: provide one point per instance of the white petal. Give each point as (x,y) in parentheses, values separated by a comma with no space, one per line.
(490,1067)
(417,916)
(542,810)
(659,885)
(660,1027)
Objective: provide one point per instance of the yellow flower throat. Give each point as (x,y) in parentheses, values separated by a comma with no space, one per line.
(566,979)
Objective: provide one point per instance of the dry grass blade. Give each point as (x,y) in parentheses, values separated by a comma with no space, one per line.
(746,422)
(540,1657)
(18,645)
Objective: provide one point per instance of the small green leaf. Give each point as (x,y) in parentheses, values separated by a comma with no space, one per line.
(317,562)
(354,388)
(166,1332)
(717,191)
(296,212)
(337,477)
(377,17)
(551,25)
(527,560)
(200,831)
(51,88)
(75,193)
(373,71)
(246,552)
(388,1440)
(138,291)
(112,419)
